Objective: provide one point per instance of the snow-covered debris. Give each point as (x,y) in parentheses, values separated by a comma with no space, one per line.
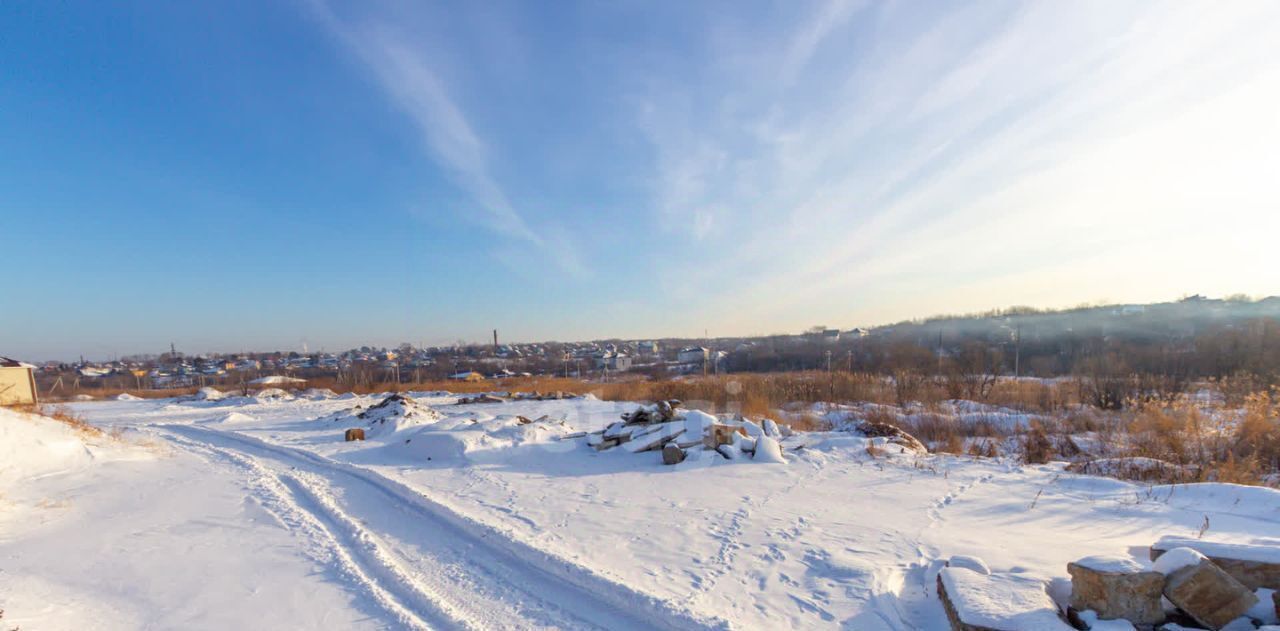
(32,445)
(655,437)
(395,413)
(1202,590)
(896,436)
(1117,588)
(969,563)
(481,398)
(659,412)
(1006,602)
(1176,559)
(209,394)
(450,441)
(1254,565)
(1093,622)
(1266,609)
(1109,563)
(767,450)
(272,394)
(277,380)
(233,418)
(319,394)
(125,396)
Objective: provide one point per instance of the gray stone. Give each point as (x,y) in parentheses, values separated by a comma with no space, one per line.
(671,454)
(1117,589)
(1208,594)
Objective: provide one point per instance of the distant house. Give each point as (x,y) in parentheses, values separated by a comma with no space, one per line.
(469,375)
(692,355)
(617,362)
(831,335)
(17,383)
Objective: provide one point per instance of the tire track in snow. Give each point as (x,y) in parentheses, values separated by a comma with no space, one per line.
(280,497)
(543,589)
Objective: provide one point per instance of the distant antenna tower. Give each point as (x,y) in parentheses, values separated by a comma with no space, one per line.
(173,352)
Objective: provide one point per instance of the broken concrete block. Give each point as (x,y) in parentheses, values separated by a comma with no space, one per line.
(1116,588)
(996,602)
(600,443)
(718,434)
(1205,592)
(655,438)
(354,433)
(1254,566)
(671,454)
(729,451)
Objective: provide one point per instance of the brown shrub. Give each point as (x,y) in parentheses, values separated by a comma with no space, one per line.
(1037,448)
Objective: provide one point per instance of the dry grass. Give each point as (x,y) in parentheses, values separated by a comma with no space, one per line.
(61,414)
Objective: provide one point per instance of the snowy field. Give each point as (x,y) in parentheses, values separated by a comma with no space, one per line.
(254,513)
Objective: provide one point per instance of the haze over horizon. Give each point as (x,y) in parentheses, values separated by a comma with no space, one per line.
(262,175)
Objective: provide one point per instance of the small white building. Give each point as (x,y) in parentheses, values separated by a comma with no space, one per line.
(17,383)
(617,362)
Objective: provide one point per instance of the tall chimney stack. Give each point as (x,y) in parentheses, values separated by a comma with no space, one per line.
(495,340)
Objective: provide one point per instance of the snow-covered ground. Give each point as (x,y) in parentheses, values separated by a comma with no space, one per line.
(254,513)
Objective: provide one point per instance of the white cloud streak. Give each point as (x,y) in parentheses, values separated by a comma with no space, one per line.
(987,142)
(405,74)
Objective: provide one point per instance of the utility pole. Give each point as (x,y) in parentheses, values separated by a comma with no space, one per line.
(1017,351)
(939,351)
(831,390)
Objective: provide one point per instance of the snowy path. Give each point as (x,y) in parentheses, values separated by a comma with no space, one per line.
(424,565)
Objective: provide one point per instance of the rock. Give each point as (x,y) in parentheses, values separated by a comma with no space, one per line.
(671,454)
(767,450)
(1254,566)
(354,433)
(771,429)
(997,602)
(1208,594)
(969,563)
(1116,588)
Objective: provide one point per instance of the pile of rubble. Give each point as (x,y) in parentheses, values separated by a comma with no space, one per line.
(664,427)
(1191,584)
(392,414)
(489,397)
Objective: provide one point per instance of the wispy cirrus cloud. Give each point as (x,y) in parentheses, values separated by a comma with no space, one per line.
(403,69)
(953,150)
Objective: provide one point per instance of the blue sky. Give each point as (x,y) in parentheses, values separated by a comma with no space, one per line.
(257,175)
